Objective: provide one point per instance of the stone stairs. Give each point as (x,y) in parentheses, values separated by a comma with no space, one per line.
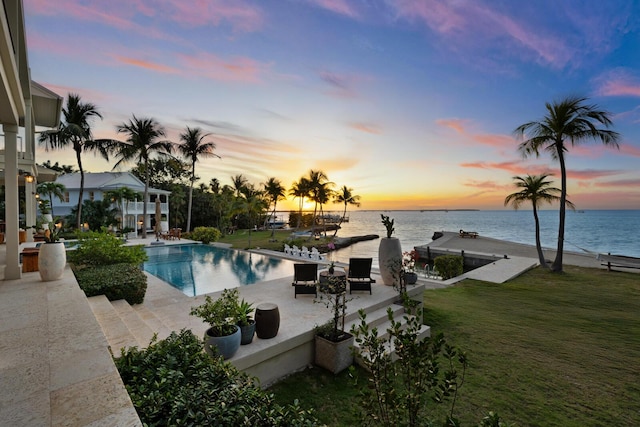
(127,326)
(124,325)
(379,319)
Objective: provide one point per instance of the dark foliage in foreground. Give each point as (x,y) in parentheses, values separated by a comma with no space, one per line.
(173,382)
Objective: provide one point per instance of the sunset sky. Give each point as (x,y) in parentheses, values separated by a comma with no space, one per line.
(412,103)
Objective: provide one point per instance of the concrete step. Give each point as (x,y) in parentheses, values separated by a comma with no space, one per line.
(383,327)
(154,322)
(138,327)
(114,328)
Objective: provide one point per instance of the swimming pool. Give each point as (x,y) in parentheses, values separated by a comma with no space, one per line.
(201,269)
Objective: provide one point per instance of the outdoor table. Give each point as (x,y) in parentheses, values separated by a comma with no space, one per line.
(267,320)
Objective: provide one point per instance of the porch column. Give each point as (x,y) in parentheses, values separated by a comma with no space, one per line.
(12,269)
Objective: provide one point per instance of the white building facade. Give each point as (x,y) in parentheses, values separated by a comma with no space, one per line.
(97,184)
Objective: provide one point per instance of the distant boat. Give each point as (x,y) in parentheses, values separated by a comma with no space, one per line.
(275,222)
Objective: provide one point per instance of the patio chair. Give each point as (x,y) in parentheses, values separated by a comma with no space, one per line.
(295,251)
(359,276)
(305,279)
(287,249)
(304,252)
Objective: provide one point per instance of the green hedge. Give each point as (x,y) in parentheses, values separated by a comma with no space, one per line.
(173,382)
(117,281)
(449,266)
(204,234)
(101,248)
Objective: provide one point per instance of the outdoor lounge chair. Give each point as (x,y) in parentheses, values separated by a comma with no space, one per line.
(359,276)
(305,279)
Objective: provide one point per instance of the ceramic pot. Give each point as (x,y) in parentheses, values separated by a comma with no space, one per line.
(410,277)
(247,332)
(52,259)
(226,346)
(389,254)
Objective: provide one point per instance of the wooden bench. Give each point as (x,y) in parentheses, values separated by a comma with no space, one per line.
(471,234)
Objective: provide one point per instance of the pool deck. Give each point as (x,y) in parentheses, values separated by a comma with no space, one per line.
(55,364)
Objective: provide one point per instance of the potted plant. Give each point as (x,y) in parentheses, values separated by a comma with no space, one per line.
(223,337)
(246,323)
(409,266)
(389,252)
(398,270)
(52,256)
(333,344)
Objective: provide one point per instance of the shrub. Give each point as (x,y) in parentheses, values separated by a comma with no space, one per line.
(449,266)
(101,248)
(205,234)
(117,281)
(173,382)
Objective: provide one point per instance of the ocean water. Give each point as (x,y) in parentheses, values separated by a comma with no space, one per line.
(589,231)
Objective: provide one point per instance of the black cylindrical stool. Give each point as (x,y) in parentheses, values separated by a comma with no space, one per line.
(267,320)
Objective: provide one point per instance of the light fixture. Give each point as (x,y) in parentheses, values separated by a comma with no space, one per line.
(29,178)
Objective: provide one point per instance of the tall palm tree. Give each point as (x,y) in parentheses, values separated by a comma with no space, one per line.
(240,183)
(569,121)
(321,195)
(317,180)
(275,191)
(52,189)
(193,146)
(143,141)
(537,190)
(76,132)
(345,195)
(300,189)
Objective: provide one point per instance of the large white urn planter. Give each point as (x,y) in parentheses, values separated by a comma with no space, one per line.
(52,259)
(389,254)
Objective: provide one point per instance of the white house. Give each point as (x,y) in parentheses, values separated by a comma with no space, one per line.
(24,105)
(96,184)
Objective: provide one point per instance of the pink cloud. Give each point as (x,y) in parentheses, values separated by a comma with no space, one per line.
(456,124)
(147,65)
(366,127)
(469,24)
(590,174)
(341,85)
(123,13)
(488,185)
(630,150)
(633,184)
(239,69)
(492,140)
(618,82)
(341,7)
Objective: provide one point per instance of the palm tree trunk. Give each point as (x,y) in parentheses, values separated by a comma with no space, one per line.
(81,193)
(190,201)
(557,263)
(144,202)
(301,203)
(273,216)
(543,263)
(341,219)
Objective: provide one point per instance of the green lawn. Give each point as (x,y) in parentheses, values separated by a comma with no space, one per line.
(262,239)
(544,350)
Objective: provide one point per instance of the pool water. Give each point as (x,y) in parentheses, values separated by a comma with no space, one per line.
(201,269)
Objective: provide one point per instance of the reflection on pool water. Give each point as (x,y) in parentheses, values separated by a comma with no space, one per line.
(201,269)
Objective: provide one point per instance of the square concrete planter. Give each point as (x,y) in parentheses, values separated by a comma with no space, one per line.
(334,356)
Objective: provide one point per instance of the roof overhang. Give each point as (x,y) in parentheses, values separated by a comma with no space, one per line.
(47,106)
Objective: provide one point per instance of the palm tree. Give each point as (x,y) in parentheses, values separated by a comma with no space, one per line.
(318,181)
(52,189)
(76,131)
(239,184)
(143,141)
(300,190)
(345,195)
(274,189)
(193,146)
(572,121)
(537,190)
